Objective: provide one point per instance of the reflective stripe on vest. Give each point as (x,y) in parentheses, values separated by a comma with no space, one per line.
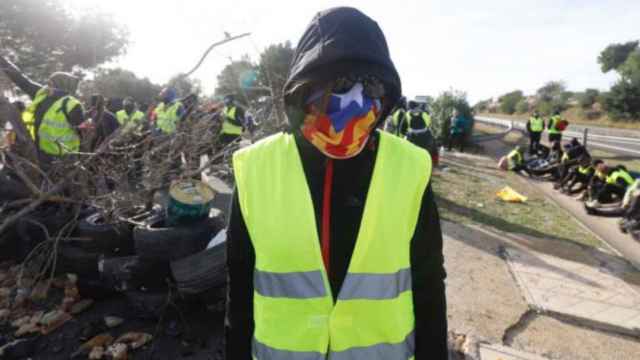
(613,178)
(585,170)
(56,136)
(228,127)
(294,313)
(554,122)
(167,117)
(536,124)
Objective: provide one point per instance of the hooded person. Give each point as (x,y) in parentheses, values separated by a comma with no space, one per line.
(328,258)
(54,113)
(169,111)
(232,120)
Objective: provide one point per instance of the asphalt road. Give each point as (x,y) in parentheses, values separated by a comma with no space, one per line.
(602,138)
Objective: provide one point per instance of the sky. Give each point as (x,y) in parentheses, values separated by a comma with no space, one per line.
(484,48)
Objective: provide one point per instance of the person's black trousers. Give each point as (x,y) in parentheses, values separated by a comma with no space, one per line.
(534,142)
(456,139)
(555,137)
(606,194)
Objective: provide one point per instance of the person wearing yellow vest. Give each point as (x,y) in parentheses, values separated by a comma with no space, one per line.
(54,112)
(579,175)
(168,112)
(556,126)
(515,161)
(130,118)
(598,180)
(535,128)
(232,120)
(396,124)
(334,246)
(616,184)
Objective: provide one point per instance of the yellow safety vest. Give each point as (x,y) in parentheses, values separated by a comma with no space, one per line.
(565,157)
(514,159)
(616,174)
(56,136)
(536,124)
(585,170)
(554,122)
(294,313)
(229,128)
(423,115)
(167,117)
(123,117)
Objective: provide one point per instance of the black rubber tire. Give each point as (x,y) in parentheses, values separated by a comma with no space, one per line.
(112,239)
(131,273)
(74,260)
(156,242)
(11,188)
(147,305)
(202,271)
(53,217)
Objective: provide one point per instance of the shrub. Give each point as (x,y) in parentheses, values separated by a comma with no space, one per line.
(588,98)
(442,111)
(509,101)
(522,106)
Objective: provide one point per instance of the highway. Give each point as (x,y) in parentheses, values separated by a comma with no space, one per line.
(624,142)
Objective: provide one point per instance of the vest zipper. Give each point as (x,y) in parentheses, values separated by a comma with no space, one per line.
(326,216)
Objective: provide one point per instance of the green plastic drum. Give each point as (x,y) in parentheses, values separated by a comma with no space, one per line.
(189,200)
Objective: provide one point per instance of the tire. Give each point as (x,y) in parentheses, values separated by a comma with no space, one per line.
(72,259)
(131,273)
(147,305)
(107,238)
(202,271)
(52,217)
(11,188)
(156,242)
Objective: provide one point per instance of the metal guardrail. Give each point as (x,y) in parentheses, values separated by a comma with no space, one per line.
(597,140)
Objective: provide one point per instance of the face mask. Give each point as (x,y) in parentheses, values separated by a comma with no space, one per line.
(339,125)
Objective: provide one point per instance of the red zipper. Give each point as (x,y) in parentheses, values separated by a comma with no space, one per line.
(326,215)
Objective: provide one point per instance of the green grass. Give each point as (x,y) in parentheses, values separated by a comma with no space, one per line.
(466,194)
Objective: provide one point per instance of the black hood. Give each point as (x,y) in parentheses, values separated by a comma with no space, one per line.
(338,42)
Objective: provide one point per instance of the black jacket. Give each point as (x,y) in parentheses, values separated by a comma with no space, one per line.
(350,186)
(338,42)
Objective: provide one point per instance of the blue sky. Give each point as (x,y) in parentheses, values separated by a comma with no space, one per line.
(485,48)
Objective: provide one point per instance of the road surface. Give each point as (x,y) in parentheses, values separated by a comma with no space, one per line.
(625,142)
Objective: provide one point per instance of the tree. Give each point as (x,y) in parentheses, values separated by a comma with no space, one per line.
(553,97)
(522,106)
(623,101)
(120,83)
(275,62)
(240,78)
(185,86)
(41,36)
(442,111)
(588,98)
(509,101)
(615,55)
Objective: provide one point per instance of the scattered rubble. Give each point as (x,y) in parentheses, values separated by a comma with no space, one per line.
(113,321)
(118,351)
(81,306)
(135,339)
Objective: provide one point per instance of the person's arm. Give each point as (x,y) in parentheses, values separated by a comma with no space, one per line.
(239,117)
(428,274)
(25,84)
(239,323)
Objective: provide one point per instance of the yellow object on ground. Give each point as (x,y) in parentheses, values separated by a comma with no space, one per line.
(509,195)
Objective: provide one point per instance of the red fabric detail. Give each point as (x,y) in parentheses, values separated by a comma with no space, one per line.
(326,214)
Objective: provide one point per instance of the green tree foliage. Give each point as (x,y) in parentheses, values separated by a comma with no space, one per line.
(522,106)
(623,101)
(509,101)
(588,98)
(120,83)
(185,86)
(239,78)
(442,111)
(482,106)
(275,62)
(615,55)
(41,36)
(552,97)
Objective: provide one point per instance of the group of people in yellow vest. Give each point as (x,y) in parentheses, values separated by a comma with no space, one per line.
(304,282)
(555,126)
(575,173)
(55,116)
